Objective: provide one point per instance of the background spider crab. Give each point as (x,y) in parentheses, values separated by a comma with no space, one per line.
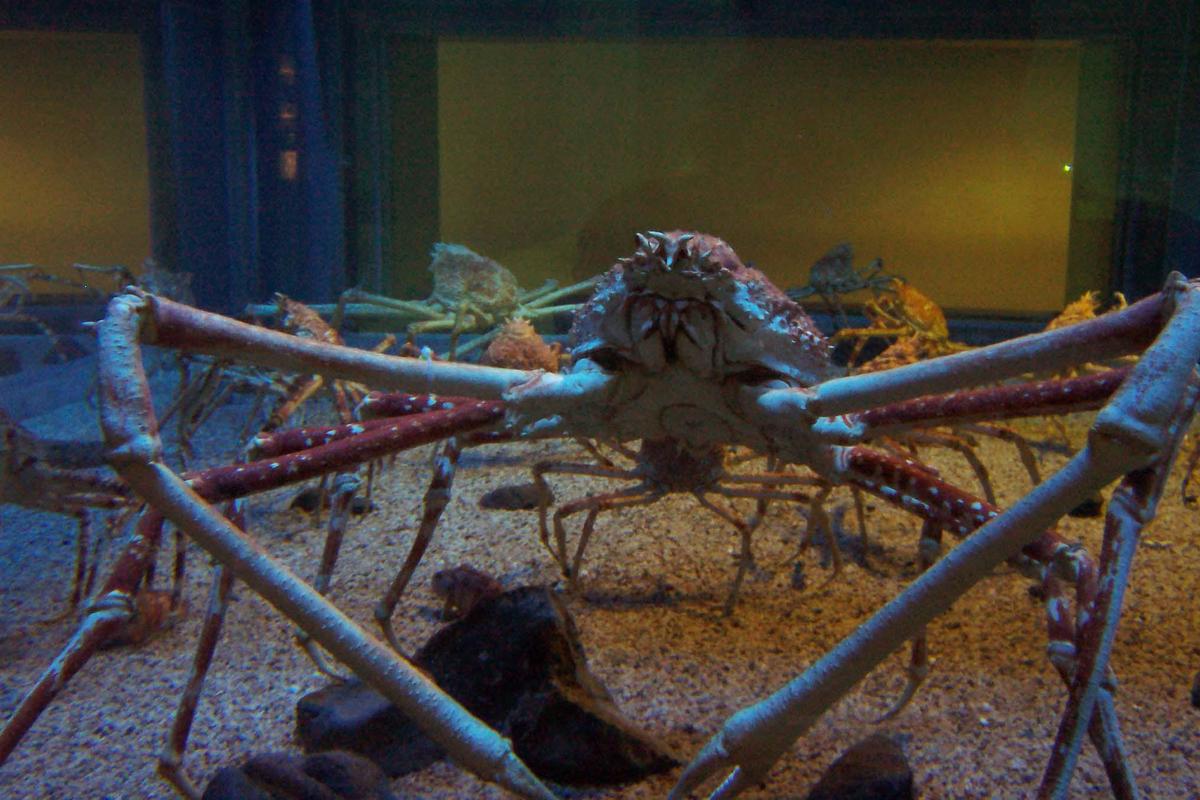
(471,294)
(682,342)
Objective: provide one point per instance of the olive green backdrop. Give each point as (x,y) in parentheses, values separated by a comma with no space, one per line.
(75,183)
(953,161)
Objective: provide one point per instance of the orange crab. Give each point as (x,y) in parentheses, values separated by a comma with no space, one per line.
(911,318)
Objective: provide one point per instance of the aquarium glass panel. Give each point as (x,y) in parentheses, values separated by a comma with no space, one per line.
(967,167)
(72,152)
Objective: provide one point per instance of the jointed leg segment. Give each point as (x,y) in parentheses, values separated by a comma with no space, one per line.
(1137,428)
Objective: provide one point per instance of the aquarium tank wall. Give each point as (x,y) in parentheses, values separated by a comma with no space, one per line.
(992,160)
(73,150)
(953,161)
(1004,160)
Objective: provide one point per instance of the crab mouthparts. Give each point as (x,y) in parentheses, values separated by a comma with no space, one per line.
(667,330)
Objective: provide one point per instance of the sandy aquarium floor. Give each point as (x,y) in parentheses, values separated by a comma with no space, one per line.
(651,624)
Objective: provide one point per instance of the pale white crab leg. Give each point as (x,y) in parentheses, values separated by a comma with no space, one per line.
(135,451)
(1132,506)
(1112,335)
(1132,431)
(176,325)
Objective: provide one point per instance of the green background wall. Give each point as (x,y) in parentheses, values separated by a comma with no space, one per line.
(946,159)
(73,159)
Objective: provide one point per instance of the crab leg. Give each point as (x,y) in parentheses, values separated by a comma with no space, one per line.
(547,293)
(1055,396)
(176,325)
(222,483)
(755,737)
(745,559)
(639,494)
(437,496)
(352,297)
(113,608)
(1132,431)
(170,760)
(345,487)
(943,505)
(928,551)
(135,451)
(629,497)
(1133,504)
(960,445)
(83,538)
(1024,451)
(1112,335)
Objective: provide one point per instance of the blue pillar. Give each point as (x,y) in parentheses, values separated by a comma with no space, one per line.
(301,219)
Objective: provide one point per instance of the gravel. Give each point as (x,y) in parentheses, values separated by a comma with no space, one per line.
(650,619)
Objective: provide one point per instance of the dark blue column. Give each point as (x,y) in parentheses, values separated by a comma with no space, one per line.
(188,152)
(301,221)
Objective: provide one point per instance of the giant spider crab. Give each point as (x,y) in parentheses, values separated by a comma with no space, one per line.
(684,343)
(471,294)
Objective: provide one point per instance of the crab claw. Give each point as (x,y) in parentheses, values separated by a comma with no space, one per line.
(547,395)
(745,756)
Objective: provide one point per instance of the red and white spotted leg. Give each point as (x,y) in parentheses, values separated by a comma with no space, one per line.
(1010,401)
(752,739)
(960,445)
(904,484)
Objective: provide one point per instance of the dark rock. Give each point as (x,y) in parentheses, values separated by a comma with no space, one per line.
(283,776)
(515,497)
(516,663)
(353,716)
(348,775)
(1092,507)
(308,500)
(462,588)
(230,783)
(873,769)
(575,740)
(505,648)
(1196,691)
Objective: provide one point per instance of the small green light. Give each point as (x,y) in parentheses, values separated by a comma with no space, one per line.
(1066,167)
